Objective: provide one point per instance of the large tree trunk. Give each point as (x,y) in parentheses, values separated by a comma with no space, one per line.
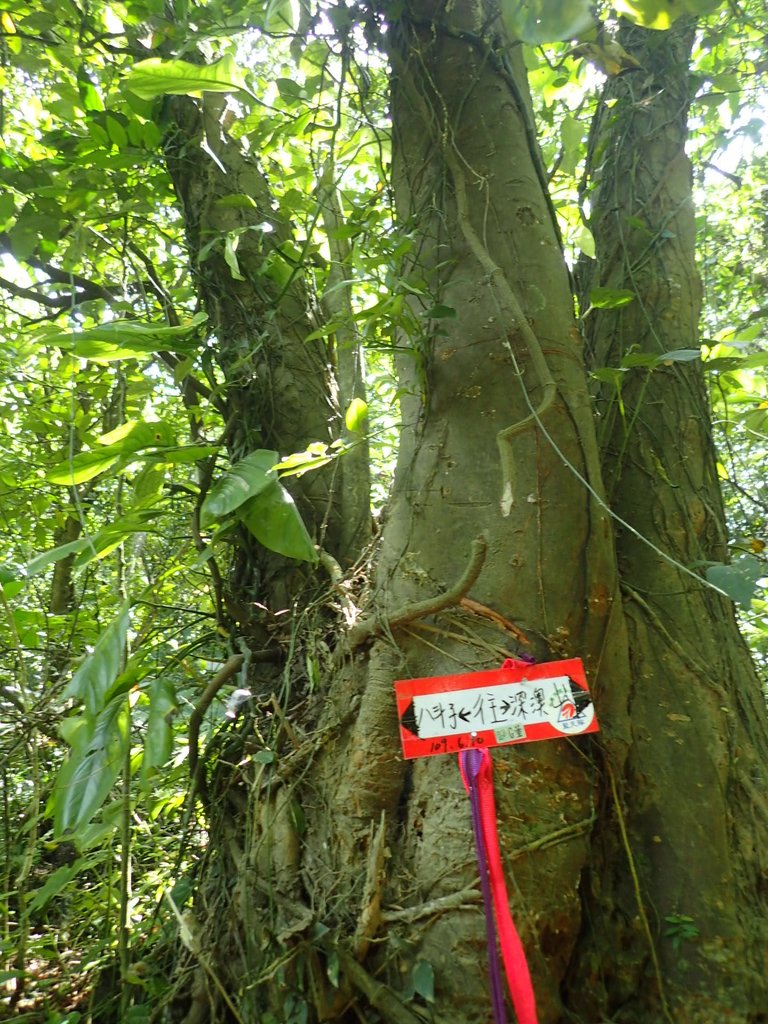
(696,810)
(497,442)
(336,867)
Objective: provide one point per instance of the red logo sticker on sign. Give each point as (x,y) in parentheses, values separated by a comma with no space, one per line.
(445,714)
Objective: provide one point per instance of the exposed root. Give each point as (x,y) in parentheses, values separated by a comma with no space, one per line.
(370,916)
(375,626)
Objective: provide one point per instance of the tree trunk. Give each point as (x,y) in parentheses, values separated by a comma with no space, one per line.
(695,807)
(497,442)
(335,868)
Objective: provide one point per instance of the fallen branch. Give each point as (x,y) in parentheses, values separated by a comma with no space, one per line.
(370,916)
(464,899)
(378,995)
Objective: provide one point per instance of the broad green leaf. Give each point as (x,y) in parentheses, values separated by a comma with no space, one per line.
(546,21)
(585,240)
(104,541)
(124,339)
(135,435)
(155,77)
(182,454)
(356,416)
(739,579)
(82,467)
(440,312)
(100,669)
(660,14)
(95,833)
(274,520)
(316,454)
(158,736)
(631,360)
(10,582)
(680,355)
(61,878)
(87,776)
(243,481)
(42,561)
(610,298)
(737,362)
(423,979)
(281,16)
(235,200)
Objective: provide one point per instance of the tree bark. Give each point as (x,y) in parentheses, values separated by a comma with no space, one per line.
(497,442)
(696,811)
(336,867)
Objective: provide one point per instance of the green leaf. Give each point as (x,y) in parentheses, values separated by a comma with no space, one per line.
(61,878)
(546,21)
(660,14)
(42,561)
(440,312)
(281,16)
(680,355)
(230,255)
(135,435)
(610,298)
(183,454)
(275,522)
(423,979)
(84,466)
(739,579)
(585,240)
(87,776)
(332,965)
(100,669)
(243,481)
(10,582)
(104,541)
(571,134)
(158,737)
(356,416)
(316,454)
(124,339)
(155,77)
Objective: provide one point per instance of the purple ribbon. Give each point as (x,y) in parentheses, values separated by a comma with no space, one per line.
(469,763)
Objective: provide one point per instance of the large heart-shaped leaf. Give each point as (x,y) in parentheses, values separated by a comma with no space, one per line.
(244,480)
(275,522)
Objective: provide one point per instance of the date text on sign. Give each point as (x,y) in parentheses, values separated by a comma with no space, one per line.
(445,714)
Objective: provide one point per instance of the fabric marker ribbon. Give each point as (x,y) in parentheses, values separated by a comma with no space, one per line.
(476,769)
(469,766)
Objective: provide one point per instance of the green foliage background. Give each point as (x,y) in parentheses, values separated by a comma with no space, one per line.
(119,507)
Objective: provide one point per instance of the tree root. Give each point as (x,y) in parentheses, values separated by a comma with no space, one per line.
(374,626)
(378,995)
